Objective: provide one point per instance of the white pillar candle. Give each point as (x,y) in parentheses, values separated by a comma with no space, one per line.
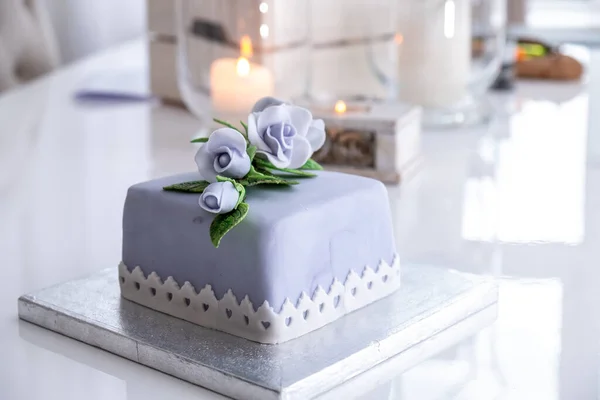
(236,84)
(434,51)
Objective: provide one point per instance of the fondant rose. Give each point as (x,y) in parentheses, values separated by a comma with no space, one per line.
(224,154)
(219,198)
(316,134)
(284,134)
(266,102)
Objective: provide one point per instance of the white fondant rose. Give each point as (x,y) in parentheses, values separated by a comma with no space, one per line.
(224,154)
(284,134)
(219,198)
(266,102)
(316,134)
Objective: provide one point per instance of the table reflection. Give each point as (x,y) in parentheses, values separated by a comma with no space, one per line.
(516,201)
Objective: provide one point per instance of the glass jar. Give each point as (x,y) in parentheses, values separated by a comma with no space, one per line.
(233,52)
(353,50)
(449,54)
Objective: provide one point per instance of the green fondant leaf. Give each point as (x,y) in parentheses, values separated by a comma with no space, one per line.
(251,150)
(221,178)
(200,140)
(188,187)
(264,171)
(245,126)
(312,165)
(242,197)
(297,172)
(223,223)
(255,177)
(227,124)
(264,164)
(249,182)
(242,191)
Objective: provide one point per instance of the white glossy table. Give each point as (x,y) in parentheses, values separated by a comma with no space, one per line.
(519,199)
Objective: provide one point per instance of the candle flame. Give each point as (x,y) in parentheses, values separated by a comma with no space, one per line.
(399,39)
(243,66)
(246,50)
(340,107)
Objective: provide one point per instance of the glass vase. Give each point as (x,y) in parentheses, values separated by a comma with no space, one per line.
(353,50)
(233,52)
(449,54)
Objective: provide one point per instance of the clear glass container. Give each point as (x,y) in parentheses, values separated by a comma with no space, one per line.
(353,50)
(449,54)
(233,52)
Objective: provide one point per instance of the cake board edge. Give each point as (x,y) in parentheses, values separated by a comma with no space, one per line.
(45,308)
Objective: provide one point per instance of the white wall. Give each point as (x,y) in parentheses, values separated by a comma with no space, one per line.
(86,26)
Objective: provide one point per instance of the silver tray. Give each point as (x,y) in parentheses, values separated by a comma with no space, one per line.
(434,309)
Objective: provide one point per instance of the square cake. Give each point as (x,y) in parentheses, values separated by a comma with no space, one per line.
(303,256)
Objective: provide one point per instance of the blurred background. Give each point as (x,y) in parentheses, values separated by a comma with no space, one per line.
(313,52)
(85,26)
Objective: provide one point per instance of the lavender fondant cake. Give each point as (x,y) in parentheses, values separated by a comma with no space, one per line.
(256,244)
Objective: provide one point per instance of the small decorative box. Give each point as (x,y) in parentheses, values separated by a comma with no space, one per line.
(380,141)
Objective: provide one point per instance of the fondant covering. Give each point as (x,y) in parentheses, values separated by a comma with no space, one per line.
(293,240)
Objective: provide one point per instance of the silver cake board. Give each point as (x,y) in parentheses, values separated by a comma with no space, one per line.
(434,309)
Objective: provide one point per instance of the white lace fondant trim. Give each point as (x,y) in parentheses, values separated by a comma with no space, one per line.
(264,325)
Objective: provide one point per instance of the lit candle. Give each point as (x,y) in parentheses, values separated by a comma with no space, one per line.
(340,107)
(236,84)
